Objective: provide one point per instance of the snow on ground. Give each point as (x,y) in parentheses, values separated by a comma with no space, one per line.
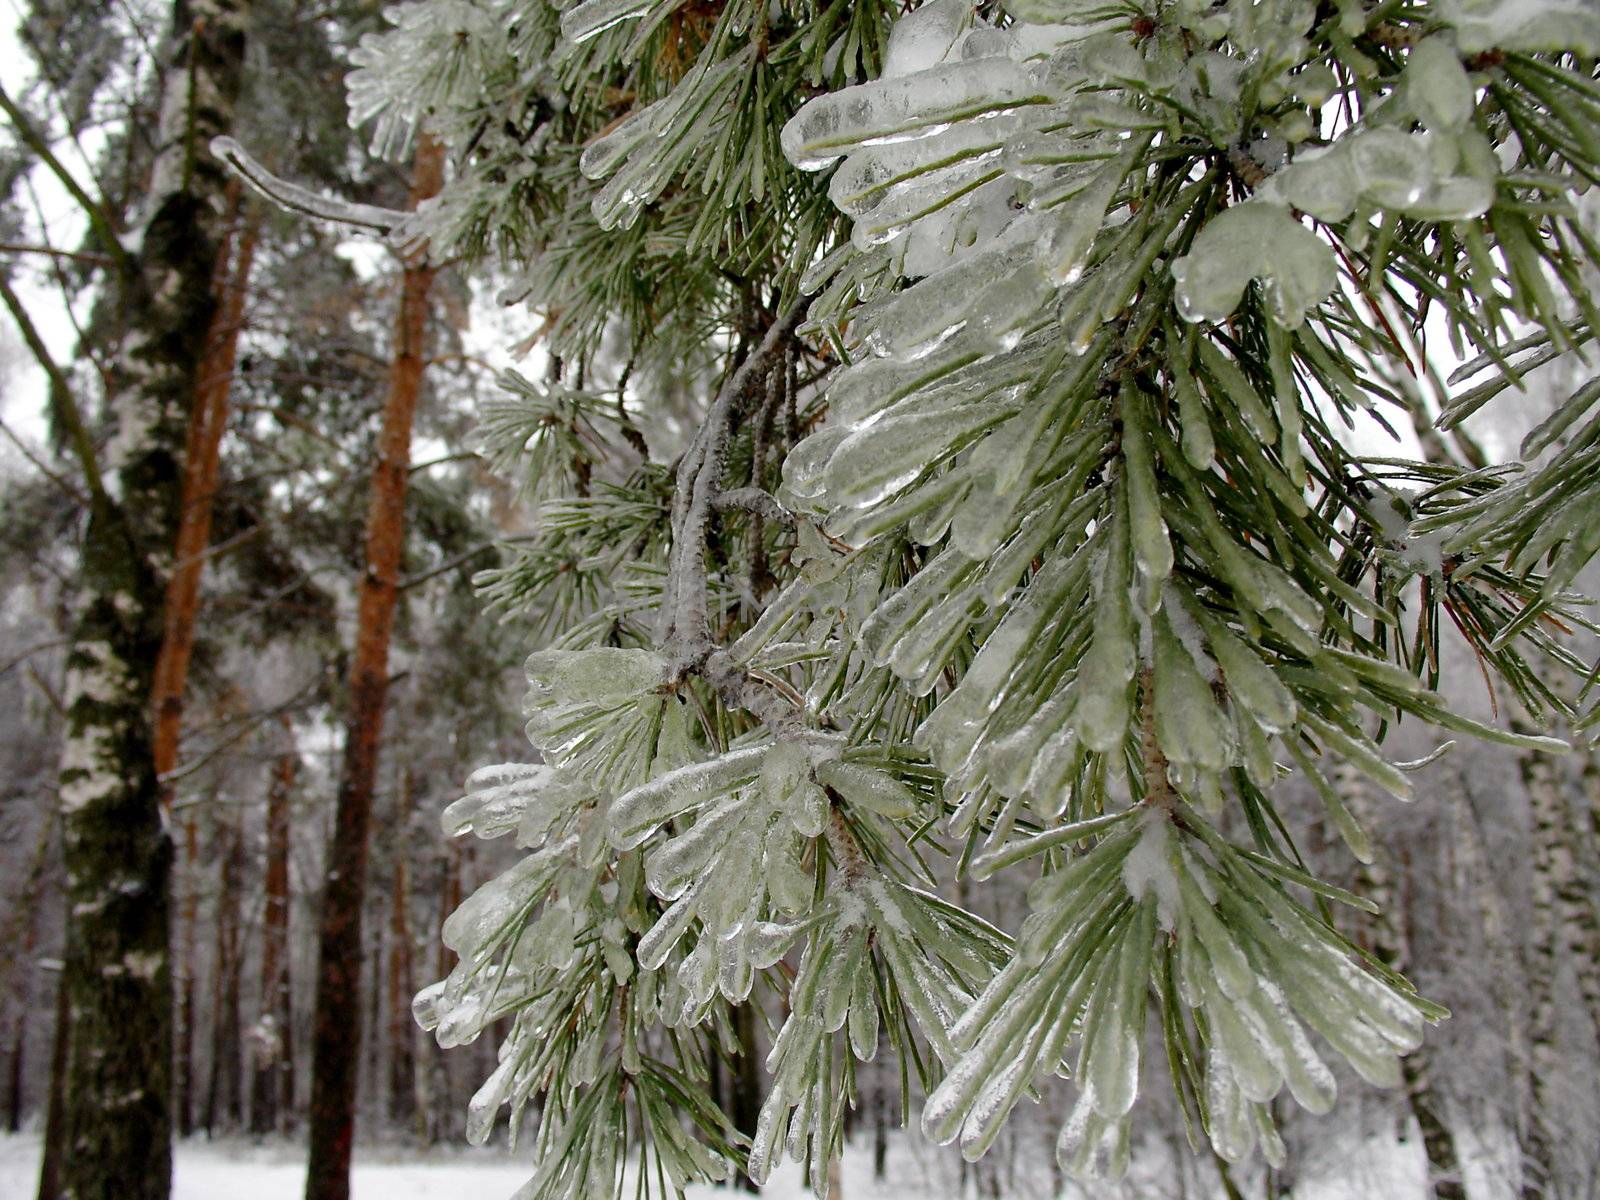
(236,1169)
(232,1169)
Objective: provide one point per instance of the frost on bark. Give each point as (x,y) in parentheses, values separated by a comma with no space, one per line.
(336,1036)
(116,1115)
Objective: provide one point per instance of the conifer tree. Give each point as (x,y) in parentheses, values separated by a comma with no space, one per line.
(948,458)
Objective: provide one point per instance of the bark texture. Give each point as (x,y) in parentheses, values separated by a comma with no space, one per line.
(116,1109)
(272,1083)
(1552,863)
(336,1036)
(1387,938)
(401,977)
(202,459)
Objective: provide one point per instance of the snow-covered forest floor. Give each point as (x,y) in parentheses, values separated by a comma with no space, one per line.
(239,1169)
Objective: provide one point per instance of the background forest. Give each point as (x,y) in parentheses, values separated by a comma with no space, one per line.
(370,477)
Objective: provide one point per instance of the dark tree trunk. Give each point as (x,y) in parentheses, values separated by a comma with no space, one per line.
(402,1028)
(19,1043)
(223,1095)
(744,1082)
(55,1105)
(16,955)
(880,1131)
(336,1035)
(188,941)
(272,1082)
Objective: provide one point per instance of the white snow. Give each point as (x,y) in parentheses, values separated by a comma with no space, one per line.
(237,1169)
(1343,1168)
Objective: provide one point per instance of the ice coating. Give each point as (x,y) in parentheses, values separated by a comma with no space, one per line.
(1523,25)
(1254,241)
(899,109)
(1148,870)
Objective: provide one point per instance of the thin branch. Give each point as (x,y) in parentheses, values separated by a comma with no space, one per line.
(86,346)
(248,726)
(52,697)
(462,456)
(61,481)
(15,661)
(449,564)
(99,219)
(62,399)
(687,636)
(295,198)
(753,500)
(83,256)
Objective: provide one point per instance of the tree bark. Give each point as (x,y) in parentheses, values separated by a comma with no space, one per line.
(222,1095)
(744,1082)
(1386,937)
(55,1104)
(117,1104)
(202,459)
(272,1083)
(336,1036)
(1552,869)
(402,1027)
(21,939)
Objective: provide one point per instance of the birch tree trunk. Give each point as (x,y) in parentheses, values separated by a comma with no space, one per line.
(336,1036)
(117,1106)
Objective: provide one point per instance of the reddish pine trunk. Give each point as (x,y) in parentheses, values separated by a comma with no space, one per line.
(336,1036)
(208,417)
(202,462)
(272,1087)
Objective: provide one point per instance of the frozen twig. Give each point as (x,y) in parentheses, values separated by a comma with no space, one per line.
(686,637)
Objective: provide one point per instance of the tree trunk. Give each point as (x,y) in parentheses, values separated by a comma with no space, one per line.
(744,1081)
(21,939)
(223,1096)
(202,457)
(272,1082)
(336,1037)
(1386,937)
(55,1105)
(1552,869)
(441,1108)
(1579,897)
(19,1043)
(202,461)
(402,1027)
(188,943)
(880,1130)
(117,1102)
